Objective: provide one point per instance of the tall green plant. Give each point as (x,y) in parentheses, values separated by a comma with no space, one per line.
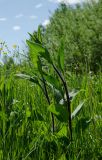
(49,75)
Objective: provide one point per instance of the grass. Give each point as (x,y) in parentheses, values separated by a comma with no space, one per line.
(35,118)
(25,121)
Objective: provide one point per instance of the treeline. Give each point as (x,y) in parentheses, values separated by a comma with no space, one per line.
(79,30)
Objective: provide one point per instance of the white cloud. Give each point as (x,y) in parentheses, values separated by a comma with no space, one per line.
(19,15)
(33,17)
(3,19)
(46,22)
(16,28)
(38,5)
(67,1)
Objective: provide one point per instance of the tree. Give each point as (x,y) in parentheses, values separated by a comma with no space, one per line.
(80,29)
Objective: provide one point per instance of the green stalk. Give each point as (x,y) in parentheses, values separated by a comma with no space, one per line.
(48,100)
(68,99)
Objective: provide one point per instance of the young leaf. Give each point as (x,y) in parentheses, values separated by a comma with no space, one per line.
(77,110)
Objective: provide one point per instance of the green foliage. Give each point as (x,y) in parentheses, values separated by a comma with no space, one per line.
(80,28)
(38,112)
(25,124)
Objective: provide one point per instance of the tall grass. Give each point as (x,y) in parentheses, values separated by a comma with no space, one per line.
(25,131)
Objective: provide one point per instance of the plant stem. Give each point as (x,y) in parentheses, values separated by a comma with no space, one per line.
(68,99)
(48,99)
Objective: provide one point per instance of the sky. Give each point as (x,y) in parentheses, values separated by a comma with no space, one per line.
(18,17)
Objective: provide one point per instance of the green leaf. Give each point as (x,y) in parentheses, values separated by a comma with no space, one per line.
(27,77)
(40,66)
(55,86)
(58,95)
(59,111)
(36,50)
(71,96)
(63,131)
(61,56)
(39,34)
(74,93)
(77,110)
(46,56)
(32,37)
(52,80)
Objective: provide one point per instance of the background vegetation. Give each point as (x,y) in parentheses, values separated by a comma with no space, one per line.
(32,93)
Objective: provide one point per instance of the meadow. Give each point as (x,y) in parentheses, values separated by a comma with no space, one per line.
(50,109)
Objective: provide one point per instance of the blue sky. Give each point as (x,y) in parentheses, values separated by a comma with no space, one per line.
(17,17)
